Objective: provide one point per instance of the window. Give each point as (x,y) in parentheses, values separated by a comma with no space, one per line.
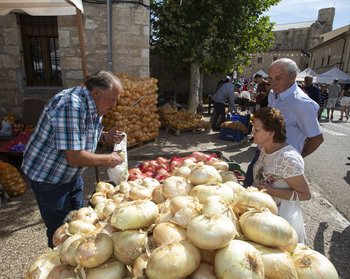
(259,59)
(328,60)
(314,64)
(275,58)
(322,61)
(41,50)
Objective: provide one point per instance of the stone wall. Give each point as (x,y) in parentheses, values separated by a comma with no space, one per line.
(130,50)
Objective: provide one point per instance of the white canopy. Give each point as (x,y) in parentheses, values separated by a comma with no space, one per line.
(41,7)
(305,73)
(329,76)
(261,72)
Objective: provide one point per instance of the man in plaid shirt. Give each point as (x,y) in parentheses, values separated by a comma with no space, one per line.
(63,143)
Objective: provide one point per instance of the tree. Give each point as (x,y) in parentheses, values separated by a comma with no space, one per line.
(209,36)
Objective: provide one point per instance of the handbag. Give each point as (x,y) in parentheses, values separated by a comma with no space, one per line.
(291,211)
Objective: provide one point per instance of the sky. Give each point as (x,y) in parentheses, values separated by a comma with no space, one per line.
(293,11)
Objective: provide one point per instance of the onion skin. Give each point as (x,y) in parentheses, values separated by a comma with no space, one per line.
(237,260)
(290,247)
(108,270)
(42,265)
(211,231)
(94,251)
(60,235)
(168,261)
(175,186)
(204,271)
(165,233)
(140,265)
(204,175)
(266,228)
(311,264)
(78,226)
(62,272)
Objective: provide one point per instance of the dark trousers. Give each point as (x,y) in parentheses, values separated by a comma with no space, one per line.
(219,111)
(55,201)
(248,181)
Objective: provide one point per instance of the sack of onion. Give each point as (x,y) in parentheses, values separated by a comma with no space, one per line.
(12,180)
(177,229)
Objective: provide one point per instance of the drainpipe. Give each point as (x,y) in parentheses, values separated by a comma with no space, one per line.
(109,35)
(342,55)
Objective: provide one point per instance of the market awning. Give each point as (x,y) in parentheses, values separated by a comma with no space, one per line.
(262,73)
(331,75)
(41,7)
(307,72)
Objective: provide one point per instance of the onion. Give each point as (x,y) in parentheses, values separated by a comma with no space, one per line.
(124,187)
(70,254)
(236,187)
(134,215)
(157,195)
(97,197)
(140,265)
(204,174)
(221,165)
(65,245)
(277,264)
(113,192)
(175,186)
(140,193)
(266,228)
(290,247)
(87,214)
(150,183)
(172,261)
(99,209)
(204,271)
(208,256)
(211,231)
(218,205)
(109,208)
(103,187)
(109,270)
(81,227)
(185,215)
(119,198)
(42,265)
(238,259)
(182,171)
(128,245)
(62,272)
(188,162)
(312,264)
(179,202)
(60,235)
(202,192)
(94,251)
(165,233)
(164,217)
(228,176)
(252,197)
(107,229)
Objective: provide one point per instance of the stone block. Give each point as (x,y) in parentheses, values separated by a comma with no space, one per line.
(9,61)
(10,37)
(72,63)
(64,38)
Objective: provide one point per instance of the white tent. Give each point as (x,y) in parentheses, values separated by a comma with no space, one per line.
(50,8)
(329,76)
(261,72)
(305,73)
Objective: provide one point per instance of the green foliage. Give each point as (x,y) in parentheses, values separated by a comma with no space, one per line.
(218,35)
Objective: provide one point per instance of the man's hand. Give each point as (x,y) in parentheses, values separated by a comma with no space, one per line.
(114,136)
(114,160)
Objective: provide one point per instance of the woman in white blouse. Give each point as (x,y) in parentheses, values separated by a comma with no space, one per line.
(280,168)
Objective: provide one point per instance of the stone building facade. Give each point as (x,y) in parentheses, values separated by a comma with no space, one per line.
(130,50)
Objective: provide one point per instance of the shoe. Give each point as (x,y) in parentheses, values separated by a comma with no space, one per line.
(341,118)
(327,117)
(332,117)
(348,158)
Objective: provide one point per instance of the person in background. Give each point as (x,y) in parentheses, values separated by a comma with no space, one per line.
(334,90)
(299,111)
(261,91)
(225,92)
(323,99)
(311,89)
(63,143)
(345,101)
(280,167)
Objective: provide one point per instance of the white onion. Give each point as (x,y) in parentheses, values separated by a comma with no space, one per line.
(81,227)
(103,187)
(140,193)
(124,187)
(221,165)
(218,205)
(266,228)
(150,183)
(188,162)
(60,235)
(173,261)
(62,272)
(208,256)
(164,217)
(70,254)
(87,214)
(238,259)
(165,233)
(277,264)
(311,264)
(109,270)
(139,266)
(94,251)
(129,245)
(134,215)
(157,195)
(253,198)
(107,229)
(236,187)
(109,208)
(65,245)
(204,175)
(182,171)
(97,197)
(290,247)
(204,271)
(113,192)
(135,182)
(175,186)
(202,192)
(185,215)
(120,198)
(42,265)
(99,209)
(211,231)
(228,176)
(179,202)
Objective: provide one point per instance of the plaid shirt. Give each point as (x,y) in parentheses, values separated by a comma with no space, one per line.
(69,122)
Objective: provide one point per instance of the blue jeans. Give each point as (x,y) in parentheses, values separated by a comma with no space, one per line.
(248,181)
(219,111)
(55,201)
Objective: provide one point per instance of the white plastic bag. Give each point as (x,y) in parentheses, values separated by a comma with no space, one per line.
(120,173)
(291,211)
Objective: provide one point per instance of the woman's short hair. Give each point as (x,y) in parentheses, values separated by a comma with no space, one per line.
(272,121)
(104,80)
